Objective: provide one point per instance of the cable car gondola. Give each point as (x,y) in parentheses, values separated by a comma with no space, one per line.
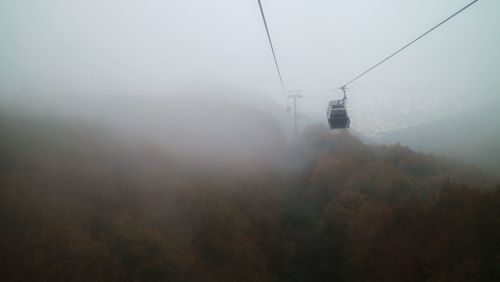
(337,114)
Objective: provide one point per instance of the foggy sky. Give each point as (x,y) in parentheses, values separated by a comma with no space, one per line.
(157,47)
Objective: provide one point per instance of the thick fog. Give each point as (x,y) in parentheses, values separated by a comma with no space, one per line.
(113,47)
(148,140)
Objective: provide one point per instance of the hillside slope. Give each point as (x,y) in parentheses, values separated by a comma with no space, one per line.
(473,136)
(79,205)
(197,127)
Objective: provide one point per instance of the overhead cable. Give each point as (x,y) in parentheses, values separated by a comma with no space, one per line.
(272,47)
(408,45)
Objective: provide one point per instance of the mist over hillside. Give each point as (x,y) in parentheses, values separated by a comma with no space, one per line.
(472,136)
(207,186)
(193,124)
(252,141)
(81,203)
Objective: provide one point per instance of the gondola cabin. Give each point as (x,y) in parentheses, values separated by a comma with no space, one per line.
(337,115)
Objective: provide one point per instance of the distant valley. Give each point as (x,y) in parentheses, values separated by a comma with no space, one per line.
(472,136)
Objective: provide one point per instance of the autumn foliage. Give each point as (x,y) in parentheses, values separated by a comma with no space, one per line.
(76,205)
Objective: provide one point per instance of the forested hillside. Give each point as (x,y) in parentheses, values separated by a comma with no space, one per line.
(79,205)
